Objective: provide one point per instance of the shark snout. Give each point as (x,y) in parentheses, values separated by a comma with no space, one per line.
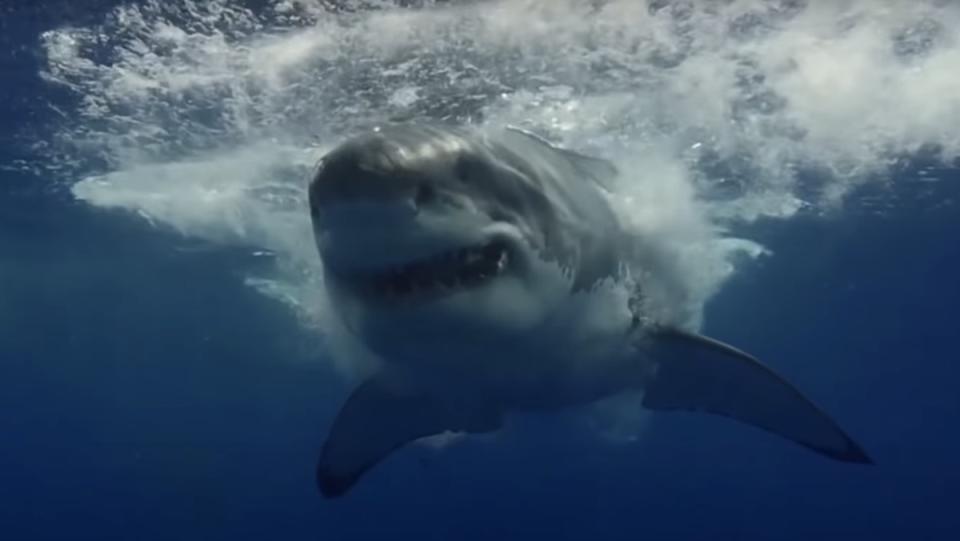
(375,167)
(338,184)
(355,210)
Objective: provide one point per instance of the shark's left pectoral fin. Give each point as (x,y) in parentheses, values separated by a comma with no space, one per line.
(378,418)
(697,373)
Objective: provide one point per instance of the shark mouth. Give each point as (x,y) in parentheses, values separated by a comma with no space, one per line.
(438,275)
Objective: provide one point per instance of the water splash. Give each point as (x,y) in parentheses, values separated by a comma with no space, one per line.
(207,116)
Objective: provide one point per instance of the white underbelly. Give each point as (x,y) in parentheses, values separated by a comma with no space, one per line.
(579,354)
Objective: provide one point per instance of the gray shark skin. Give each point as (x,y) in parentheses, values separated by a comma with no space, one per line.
(489,274)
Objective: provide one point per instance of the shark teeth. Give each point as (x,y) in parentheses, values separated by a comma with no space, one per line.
(442,274)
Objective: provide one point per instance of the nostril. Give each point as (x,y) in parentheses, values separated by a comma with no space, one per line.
(426,195)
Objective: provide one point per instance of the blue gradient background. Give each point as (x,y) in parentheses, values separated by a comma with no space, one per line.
(142,393)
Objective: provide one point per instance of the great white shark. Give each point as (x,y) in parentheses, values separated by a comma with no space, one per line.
(488,272)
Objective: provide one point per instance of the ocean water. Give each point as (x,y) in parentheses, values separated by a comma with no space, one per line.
(169,365)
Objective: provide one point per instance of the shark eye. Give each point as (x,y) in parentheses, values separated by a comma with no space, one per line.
(468,168)
(426,195)
(499,216)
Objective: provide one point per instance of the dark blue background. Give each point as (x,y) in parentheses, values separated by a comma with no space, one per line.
(146,393)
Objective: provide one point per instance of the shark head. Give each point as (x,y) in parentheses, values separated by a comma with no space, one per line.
(427,231)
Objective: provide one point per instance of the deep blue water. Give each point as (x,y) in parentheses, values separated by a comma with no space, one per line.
(145,391)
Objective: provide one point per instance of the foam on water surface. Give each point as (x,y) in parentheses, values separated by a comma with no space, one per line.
(207,117)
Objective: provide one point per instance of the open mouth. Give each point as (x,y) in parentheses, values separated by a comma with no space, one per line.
(441,274)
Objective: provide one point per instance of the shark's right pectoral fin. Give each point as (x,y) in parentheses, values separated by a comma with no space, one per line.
(697,373)
(378,419)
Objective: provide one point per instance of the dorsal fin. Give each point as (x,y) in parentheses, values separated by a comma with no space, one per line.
(599,170)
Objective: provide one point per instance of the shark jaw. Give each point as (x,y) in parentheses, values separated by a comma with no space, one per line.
(433,277)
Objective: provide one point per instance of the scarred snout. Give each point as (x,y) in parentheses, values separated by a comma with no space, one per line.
(365,169)
(386,165)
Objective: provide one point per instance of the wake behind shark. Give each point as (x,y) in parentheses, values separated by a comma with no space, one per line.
(490,274)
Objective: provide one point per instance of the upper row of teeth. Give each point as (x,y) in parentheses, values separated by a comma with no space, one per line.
(466,256)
